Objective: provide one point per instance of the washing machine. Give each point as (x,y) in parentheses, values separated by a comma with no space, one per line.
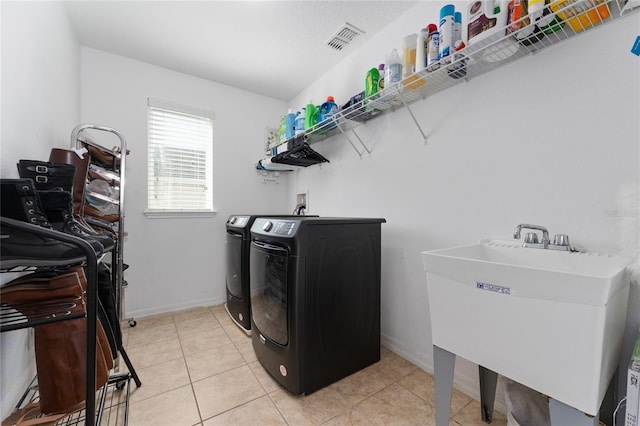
(238,304)
(315,298)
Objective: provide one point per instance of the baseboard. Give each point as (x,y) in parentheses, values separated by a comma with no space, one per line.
(156,310)
(468,385)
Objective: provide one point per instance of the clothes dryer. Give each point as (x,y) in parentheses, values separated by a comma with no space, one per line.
(315,298)
(238,239)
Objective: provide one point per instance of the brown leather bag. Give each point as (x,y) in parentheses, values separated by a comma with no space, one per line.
(60,347)
(101,335)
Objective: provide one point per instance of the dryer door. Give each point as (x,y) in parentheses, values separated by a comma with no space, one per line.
(234,264)
(268,283)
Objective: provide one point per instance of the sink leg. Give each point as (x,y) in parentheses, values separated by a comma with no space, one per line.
(488,382)
(562,414)
(443,368)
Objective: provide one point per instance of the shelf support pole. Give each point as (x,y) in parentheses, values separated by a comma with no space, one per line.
(360,140)
(348,139)
(424,137)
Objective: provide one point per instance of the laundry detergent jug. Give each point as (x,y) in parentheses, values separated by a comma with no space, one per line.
(486,18)
(325,115)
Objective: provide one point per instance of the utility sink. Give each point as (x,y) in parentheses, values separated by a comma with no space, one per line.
(551,320)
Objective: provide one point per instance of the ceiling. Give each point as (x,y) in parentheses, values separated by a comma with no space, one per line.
(274,48)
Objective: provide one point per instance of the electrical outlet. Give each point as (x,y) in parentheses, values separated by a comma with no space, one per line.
(303,199)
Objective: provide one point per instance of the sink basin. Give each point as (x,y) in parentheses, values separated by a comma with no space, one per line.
(551,320)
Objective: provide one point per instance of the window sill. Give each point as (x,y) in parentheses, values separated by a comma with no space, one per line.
(179,214)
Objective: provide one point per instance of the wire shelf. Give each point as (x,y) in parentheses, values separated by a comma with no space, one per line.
(112,403)
(516,40)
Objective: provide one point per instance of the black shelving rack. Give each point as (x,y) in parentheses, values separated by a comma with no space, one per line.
(111,404)
(9,320)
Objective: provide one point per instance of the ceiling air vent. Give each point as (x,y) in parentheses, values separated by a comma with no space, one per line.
(344,36)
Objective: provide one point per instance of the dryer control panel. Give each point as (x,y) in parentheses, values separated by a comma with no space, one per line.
(275,227)
(238,221)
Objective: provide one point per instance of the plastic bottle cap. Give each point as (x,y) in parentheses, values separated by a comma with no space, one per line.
(432,28)
(459,45)
(448,9)
(457,17)
(330,99)
(381,67)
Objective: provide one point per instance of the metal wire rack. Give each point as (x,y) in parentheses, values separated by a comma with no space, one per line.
(516,40)
(112,403)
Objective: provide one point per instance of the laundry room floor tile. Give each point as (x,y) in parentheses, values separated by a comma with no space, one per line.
(176,407)
(199,341)
(213,361)
(193,325)
(199,368)
(225,391)
(260,411)
(160,378)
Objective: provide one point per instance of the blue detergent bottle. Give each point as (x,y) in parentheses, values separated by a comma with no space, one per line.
(289,130)
(326,112)
(299,124)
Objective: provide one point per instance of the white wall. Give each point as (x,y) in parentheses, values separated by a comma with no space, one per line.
(178,263)
(40,101)
(551,139)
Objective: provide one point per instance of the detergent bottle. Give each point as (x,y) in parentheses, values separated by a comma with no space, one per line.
(280,137)
(299,123)
(381,71)
(311,117)
(392,69)
(289,130)
(580,14)
(371,82)
(485,18)
(325,115)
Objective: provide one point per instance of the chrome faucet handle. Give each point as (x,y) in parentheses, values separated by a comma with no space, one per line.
(561,240)
(531,238)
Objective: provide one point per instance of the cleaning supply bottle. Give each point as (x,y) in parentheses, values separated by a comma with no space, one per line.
(299,124)
(535,9)
(371,83)
(311,117)
(325,115)
(409,54)
(409,78)
(549,23)
(446,29)
(433,48)
(289,130)
(381,71)
(580,15)
(281,129)
(485,18)
(421,49)
(457,27)
(392,70)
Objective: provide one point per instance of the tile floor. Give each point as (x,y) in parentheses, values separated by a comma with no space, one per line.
(198,368)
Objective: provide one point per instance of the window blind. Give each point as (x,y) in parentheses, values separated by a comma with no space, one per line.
(180,156)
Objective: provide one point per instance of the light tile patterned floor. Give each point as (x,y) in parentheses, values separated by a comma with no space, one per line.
(198,368)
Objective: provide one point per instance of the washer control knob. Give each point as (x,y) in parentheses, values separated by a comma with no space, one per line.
(267,226)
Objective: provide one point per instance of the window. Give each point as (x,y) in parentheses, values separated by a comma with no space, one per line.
(180,155)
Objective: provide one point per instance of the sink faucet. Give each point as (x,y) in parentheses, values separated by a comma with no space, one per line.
(560,241)
(528,242)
